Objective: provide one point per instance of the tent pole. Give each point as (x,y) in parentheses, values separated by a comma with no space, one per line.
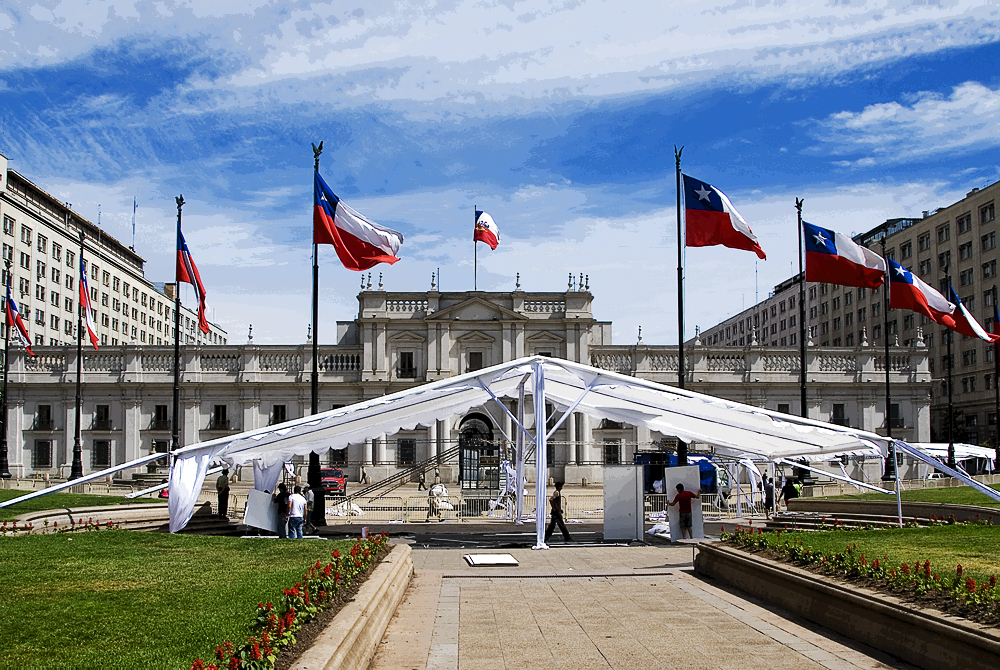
(541,455)
(520,455)
(681,444)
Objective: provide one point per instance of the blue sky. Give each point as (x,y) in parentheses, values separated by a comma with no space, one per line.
(558,118)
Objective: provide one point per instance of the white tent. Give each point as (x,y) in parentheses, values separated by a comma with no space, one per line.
(571,387)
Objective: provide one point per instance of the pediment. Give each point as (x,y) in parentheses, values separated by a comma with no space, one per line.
(406,337)
(475,337)
(476,309)
(545,337)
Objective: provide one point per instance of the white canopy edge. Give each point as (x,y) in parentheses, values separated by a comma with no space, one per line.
(692,417)
(930,460)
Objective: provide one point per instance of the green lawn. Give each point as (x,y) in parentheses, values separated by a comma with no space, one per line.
(58,501)
(123,599)
(958,495)
(976,548)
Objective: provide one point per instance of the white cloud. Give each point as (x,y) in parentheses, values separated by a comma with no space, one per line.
(969,118)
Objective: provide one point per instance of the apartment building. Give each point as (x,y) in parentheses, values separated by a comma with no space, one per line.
(41,242)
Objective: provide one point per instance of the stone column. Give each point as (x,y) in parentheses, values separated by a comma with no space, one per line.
(131,435)
(571,438)
(369,452)
(432,438)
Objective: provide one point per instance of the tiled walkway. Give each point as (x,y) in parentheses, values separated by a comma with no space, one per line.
(599,607)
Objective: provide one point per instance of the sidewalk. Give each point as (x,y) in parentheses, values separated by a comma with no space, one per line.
(598,607)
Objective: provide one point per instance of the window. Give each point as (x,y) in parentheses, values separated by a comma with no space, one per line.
(823,289)
(43,418)
(966,277)
(862,313)
(70,257)
(106,278)
(25,287)
(969,301)
(825,308)
(56,251)
(986,214)
(781,306)
(836,323)
(965,251)
(908,322)
(406,370)
(8,226)
(220,418)
(924,242)
(988,298)
(94,272)
(836,342)
(406,451)
(160,446)
(100,455)
(895,417)
(825,327)
(925,266)
(969,357)
(812,292)
(26,235)
(102,417)
(278,414)
(944,259)
(849,319)
(861,294)
(160,421)
(848,297)
(784,408)
(40,292)
(53,322)
(39,317)
(68,327)
(475,361)
(612,449)
(943,233)
(784,324)
(104,300)
(877,332)
(839,415)
(41,455)
(69,281)
(24,261)
(989,269)
(813,312)
(890,327)
(989,241)
(964,223)
(850,339)
(836,303)
(68,305)
(905,250)
(876,308)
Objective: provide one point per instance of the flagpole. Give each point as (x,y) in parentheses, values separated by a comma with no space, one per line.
(4,465)
(681,445)
(174,428)
(951,406)
(475,252)
(996,378)
(313,475)
(804,411)
(76,470)
(889,473)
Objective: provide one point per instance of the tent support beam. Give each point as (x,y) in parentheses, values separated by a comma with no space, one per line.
(507,411)
(520,455)
(853,482)
(541,455)
(570,410)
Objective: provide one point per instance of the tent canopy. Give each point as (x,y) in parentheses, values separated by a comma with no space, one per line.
(692,417)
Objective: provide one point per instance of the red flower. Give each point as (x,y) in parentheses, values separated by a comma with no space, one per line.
(336,554)
(197,665)
(993,581)
(958,571)
(970,585)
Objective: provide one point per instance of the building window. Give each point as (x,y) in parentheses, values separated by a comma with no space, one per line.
(986,214)
(944,259)
(278,414)
(825,328)
(8,226)
(24,260)
(100,454)
(836,323)
(475,361)
(925,266)
(220,418)
(924,242)
(836,303)
(784,408)
(813,312)
(612,449)
(407,370)
(839,415)
(850,339)
(965,251)
(943,233)
(989,269)
(823,289)
(862,313)
(849,319)
(905,250)
(102,417)
(824,308)
(966,277)
(969,357)
(160,421)
(908,322)
(848,297)
(895,417)
(160,446)
(406,451)
(43,418)
(53,322)
(41,455)
(26,235)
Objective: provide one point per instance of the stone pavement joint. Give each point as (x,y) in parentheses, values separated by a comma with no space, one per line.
(595,608)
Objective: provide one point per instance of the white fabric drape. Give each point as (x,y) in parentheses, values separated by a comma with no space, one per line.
(186,477)
(266,475)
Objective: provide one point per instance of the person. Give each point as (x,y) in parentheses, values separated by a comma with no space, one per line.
(683,500)
(768,496)
(222,488)
(296,513)
(280,498)
(310,497)
(164,492)
(433,509)
(422,481)
(557,515)
(789,491)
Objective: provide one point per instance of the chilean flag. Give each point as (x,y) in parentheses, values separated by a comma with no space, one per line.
(710,219)
(908,291)
(15,323)
(85,304)
(360,243)
(835,258)
(965,323)
(486,230)
(187,272)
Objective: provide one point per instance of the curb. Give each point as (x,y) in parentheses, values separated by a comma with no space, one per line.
(925,638)
(351,639)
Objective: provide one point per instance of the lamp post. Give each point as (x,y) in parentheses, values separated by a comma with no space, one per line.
(951,405)
(4,465)
(889,474)
(76,470)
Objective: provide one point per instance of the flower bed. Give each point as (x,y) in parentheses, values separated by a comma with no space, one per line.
(920,581)
(276,626)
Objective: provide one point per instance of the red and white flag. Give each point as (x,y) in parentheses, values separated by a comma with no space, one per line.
(187,272)
(15,324)
(359,242)
(965,323)
(710,219)
(85,305)
(486,230)
(908,291)
(837,259)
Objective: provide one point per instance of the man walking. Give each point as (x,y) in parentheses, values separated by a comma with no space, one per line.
(557,515)
(296,513)
(222,488)
(422,481)
(683,499)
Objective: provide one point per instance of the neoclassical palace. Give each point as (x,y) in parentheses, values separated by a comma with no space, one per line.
(403,339)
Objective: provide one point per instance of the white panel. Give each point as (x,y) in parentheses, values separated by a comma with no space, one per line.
(690,477)
(623,502)
(261,512)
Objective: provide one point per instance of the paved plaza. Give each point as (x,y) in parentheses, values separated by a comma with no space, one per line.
(582,607)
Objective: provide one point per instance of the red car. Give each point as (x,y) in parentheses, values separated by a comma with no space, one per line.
(333,481)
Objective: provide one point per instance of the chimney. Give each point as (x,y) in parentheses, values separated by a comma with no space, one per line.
(168,290)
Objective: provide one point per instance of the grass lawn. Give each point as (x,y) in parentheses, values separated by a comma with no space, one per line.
(124,599)
(976,548)
(959,495)
(59,501)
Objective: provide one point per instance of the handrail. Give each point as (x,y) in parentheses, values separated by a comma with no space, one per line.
(399,476)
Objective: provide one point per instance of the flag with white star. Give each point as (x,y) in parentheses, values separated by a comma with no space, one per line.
(908,291)
(835,258)
(711,220)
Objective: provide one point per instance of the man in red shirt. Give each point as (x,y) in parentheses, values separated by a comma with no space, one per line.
(683,498)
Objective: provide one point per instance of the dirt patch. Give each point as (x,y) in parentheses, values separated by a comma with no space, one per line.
(312,630)
(932,600)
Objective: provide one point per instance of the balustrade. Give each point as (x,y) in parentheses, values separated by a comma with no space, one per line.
(545,306)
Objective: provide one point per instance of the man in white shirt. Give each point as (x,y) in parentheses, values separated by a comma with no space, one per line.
(310,497)
(296,513)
